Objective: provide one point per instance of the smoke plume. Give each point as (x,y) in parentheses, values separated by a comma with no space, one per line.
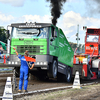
(92,7)
(56,7)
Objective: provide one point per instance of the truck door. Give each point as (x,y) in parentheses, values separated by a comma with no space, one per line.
(53,41)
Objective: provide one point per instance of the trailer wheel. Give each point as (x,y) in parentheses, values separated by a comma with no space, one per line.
(68,75)
(53,68)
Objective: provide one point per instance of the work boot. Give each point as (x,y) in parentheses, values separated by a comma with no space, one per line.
(19,91)
(25,91)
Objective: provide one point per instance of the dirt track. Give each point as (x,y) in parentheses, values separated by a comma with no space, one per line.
(86,93)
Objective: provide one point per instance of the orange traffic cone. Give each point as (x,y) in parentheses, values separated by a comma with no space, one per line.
(4,58)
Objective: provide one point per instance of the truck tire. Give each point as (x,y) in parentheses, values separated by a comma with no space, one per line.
(89,73)
(53,69)
(98,74)
(68,76)
(17,71)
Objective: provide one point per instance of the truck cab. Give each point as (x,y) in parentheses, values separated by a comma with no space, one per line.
(92,41)
(46,43)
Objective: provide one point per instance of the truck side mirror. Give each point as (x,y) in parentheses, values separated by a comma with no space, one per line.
(8,34)
(55,33)
(51,39)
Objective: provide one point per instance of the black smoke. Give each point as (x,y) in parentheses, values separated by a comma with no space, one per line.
(92,7)
(56,7)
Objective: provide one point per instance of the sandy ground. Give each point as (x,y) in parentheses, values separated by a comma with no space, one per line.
(91,92)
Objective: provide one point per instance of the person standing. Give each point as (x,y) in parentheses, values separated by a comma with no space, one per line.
(24,70)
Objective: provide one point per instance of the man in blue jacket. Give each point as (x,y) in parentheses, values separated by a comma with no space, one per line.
(24,70)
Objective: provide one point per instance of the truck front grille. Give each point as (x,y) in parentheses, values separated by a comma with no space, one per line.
(31,48)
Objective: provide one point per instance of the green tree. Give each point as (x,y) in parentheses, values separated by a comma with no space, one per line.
(3,36)
(81,47)
(73,45)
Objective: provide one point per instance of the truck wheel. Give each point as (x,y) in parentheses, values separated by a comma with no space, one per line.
(17,71)
(89,73)
(68,75)
(53,67)
(98,74)
(98,70)
(89,76)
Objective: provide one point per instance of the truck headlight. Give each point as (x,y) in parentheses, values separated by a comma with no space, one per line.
(85,61)
(41,63)
(9,62)
(12,62)
(45,63)
(16,62)
(37,63)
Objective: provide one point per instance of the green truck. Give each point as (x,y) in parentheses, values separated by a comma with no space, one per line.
(47,43)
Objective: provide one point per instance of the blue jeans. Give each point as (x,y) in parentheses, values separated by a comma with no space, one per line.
(23,74)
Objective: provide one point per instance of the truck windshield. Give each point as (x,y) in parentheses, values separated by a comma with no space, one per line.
(92,38)
(29,32)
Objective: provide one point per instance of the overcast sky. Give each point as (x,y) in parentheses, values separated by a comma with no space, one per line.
(74,12)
